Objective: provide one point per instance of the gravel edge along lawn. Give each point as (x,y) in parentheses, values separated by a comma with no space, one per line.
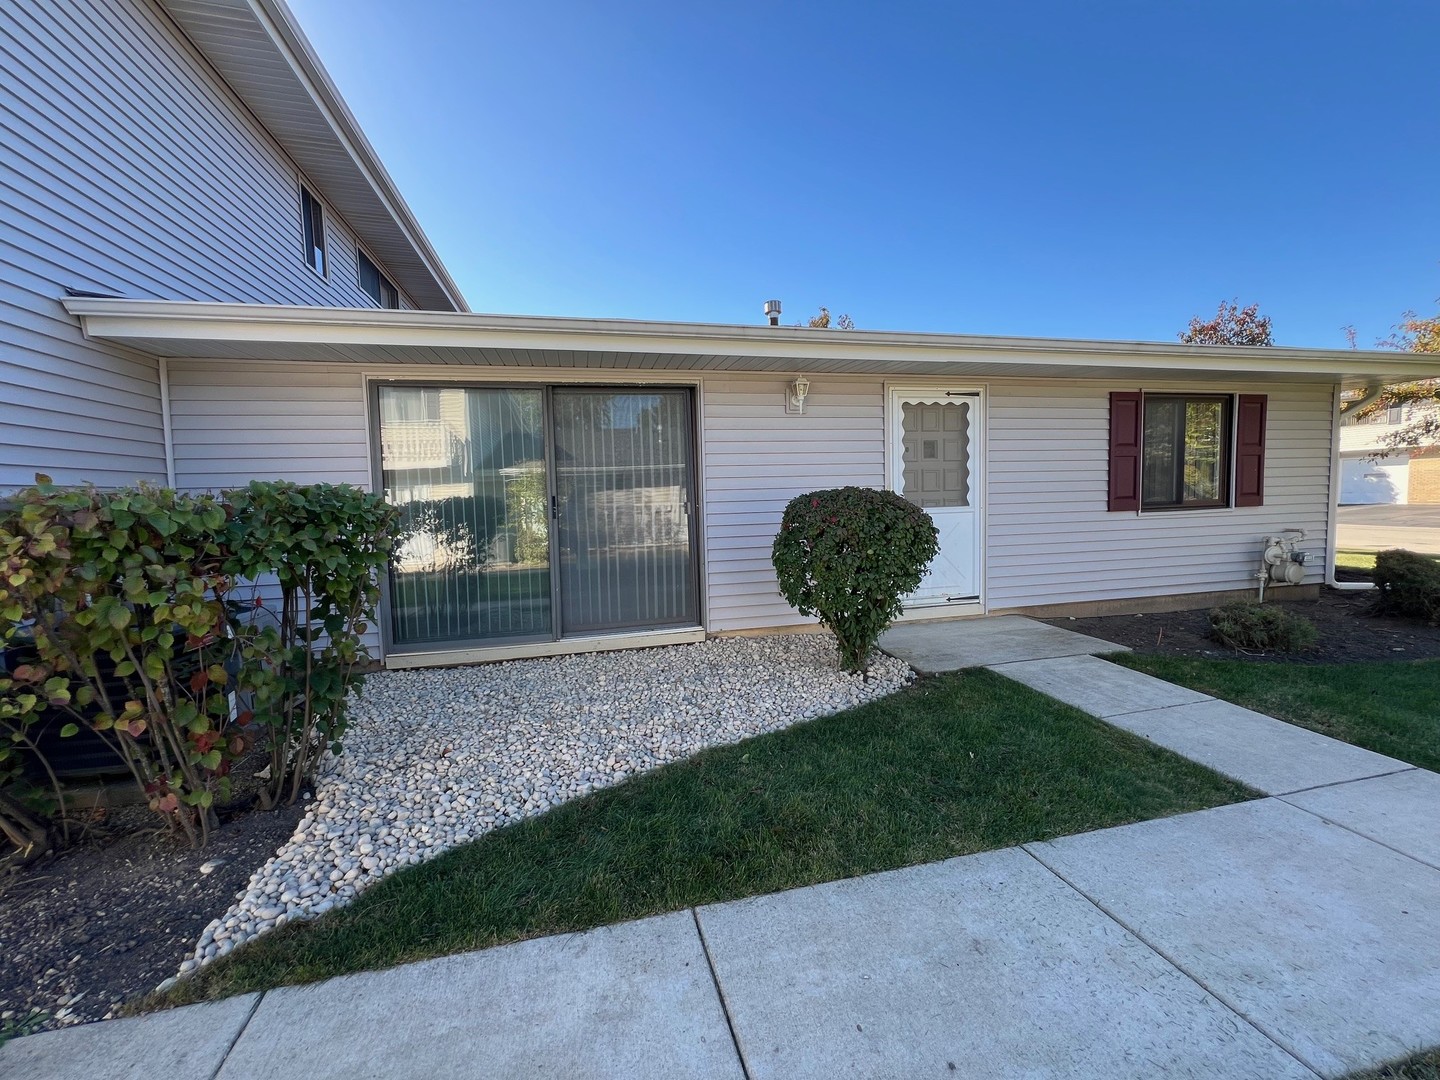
(1390,706)
(949,766)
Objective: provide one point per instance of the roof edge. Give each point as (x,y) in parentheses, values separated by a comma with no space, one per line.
(106,317)
(284,29)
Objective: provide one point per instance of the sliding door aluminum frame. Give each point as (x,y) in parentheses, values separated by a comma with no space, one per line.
(545,385)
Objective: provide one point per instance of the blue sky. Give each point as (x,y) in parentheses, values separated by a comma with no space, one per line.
(1055,169)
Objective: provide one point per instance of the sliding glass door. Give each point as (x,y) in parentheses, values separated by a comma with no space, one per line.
(528,514)
(622,481)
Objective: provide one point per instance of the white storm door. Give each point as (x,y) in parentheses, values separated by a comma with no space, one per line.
(935,463)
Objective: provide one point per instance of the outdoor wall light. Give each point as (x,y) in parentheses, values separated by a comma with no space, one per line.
(799,390)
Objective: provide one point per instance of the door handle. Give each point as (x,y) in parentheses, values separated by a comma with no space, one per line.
(555,507)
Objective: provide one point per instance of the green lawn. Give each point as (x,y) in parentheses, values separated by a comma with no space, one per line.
(1391,707)
(1424,1066)
(1355,560)
(949,766)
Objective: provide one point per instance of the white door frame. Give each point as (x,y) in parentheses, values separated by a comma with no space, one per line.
(894,465)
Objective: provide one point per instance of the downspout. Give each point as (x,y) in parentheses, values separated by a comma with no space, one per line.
(1371,393)
(166,433)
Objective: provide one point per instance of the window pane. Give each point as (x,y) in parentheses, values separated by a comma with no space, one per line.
(1204,424)
(1164,423)
(313,223)
(466,468)
(1186,452)
(368,274)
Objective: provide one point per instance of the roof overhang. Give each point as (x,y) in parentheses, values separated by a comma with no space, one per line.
(260,50)
(183,329)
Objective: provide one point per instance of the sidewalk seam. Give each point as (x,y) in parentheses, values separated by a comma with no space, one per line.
(1342,783)
(1353,831)
(720,994)
(248,1017)
(1221,998)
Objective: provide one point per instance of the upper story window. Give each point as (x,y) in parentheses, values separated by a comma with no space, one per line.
(312,220)
(1186,451)
(376,284)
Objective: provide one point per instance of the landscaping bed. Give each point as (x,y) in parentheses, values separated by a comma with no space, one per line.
(1347,632)
(948,766)
(113,916)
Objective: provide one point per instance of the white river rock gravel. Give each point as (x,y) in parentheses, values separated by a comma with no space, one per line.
(436,757)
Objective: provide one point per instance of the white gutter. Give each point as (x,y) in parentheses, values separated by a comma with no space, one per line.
(1333,533)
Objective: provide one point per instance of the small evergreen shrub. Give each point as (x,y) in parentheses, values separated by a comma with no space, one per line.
(1243,624)
(1407,584)
(848,555)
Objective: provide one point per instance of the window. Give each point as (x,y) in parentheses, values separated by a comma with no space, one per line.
(1186,451)
(1185,460)
(312,220)
(376,284)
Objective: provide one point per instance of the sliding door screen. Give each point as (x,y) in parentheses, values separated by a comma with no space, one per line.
(624,491)
(515,500)
(466,467)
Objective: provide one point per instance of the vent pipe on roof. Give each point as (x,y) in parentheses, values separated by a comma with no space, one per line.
(772,311)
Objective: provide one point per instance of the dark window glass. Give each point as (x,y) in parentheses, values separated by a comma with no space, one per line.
(376,284)
(312,220)
(1186,459)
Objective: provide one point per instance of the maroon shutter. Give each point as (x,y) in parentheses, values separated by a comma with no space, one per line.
(1250,450)
(1126,409)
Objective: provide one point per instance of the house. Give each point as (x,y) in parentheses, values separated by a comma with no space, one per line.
(1371,472)
(209,278)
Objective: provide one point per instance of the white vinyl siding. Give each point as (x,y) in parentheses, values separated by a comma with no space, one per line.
(756,459)
(1049,537)
(129,168)
(233,423)
(1051,540)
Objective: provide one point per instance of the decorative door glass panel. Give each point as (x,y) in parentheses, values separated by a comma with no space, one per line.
(935,440)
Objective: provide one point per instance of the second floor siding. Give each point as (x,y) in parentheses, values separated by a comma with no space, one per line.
(127,167)
(130,168)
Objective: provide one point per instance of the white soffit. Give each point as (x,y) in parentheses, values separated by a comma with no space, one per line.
(189,330)
(260,51)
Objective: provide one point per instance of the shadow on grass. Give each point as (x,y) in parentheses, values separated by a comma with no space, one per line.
(952,765)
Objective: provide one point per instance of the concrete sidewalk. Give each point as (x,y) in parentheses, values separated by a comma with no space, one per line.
(1292,936)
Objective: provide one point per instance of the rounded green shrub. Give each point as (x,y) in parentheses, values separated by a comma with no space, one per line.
(1407,584)
(848,556)
(1243,624)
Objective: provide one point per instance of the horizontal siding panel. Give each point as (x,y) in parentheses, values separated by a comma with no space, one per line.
(1050,539)
(129,168)
(218,443)
(757,457)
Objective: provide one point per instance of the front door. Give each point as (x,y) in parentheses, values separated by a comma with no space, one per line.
(935,463)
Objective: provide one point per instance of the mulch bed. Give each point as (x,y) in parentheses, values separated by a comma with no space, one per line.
(112,916)
(1348,633)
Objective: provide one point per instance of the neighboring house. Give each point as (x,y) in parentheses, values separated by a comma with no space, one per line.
(1370,472)
(568,484)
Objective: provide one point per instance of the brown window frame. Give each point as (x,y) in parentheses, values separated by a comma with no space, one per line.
(1227,455)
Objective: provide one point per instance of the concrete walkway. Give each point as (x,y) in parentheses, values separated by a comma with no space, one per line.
(1292,936)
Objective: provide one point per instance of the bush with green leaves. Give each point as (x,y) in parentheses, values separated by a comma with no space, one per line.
(1244,624)
(324,546)
(1407,584)
(135,577)
(129,599)
(849,556)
